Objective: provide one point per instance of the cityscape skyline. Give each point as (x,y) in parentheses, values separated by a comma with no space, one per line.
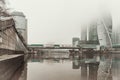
(58,20)
(41,39)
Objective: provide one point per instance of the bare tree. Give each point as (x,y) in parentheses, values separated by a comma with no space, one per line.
(3,8)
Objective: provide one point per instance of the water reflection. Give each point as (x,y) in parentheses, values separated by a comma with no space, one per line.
(21,73)
(116,67)
(73,66)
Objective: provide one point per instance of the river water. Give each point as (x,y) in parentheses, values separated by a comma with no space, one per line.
(66,66)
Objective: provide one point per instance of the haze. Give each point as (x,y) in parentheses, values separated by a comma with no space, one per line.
(58,21)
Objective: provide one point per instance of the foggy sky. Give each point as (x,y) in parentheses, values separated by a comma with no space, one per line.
(57,21)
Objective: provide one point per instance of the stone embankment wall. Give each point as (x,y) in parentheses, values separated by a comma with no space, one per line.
(9,52)
(8,67)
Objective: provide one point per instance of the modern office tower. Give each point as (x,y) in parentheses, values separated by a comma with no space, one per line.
(84,33)
(116,35)
(92,32)
(104,29)
(107,21)
(75,42)
(89,33)
(20,23)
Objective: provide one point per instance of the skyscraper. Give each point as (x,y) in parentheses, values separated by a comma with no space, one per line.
(20,23)
(75,42)
(89,32)
(116,35)
(104,29)
(107,20)
(92,36)
(84,33)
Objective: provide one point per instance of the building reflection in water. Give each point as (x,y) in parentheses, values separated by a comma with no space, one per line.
(24,73)
(116,67)
(21,73)
(90,67)
(88,70)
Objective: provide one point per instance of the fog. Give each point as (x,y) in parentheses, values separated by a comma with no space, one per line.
(58,21)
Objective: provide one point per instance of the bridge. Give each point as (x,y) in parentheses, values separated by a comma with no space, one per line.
(38,48)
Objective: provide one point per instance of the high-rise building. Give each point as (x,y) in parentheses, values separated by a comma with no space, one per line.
(104,29)
(107,20)
(89,33)
(116,36)
(84,33)
(92,32)
(75,41)
(20,23)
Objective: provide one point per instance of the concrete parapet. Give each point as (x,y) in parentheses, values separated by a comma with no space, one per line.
(5,51)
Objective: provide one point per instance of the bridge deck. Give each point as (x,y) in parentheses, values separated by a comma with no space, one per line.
(54,47)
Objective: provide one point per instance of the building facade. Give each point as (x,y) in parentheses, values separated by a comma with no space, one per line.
(83,33)
(21,24)
(104,29)
(92,32)
(116,36)
(75,42)
(89,34)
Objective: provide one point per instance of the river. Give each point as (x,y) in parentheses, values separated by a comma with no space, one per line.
(63,66)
